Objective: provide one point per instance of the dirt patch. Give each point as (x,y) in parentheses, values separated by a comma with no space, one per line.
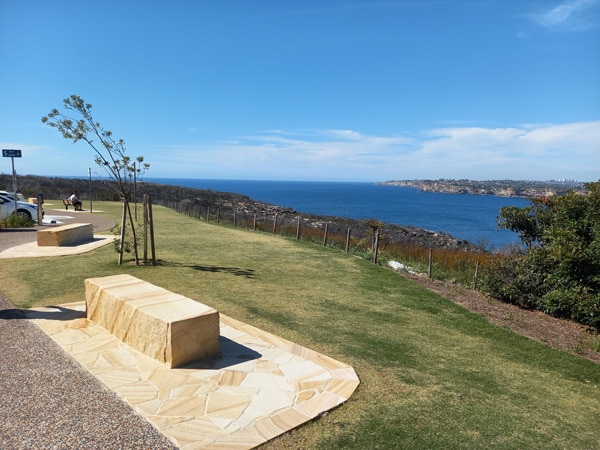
(557,333)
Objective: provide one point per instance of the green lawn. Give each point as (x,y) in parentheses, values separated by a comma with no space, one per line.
(433,375)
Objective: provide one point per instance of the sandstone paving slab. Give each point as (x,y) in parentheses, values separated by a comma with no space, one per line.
(259,387)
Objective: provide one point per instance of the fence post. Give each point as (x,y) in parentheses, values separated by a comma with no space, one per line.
(376,246)
(145,208)
(274,223)
(348,240)
(476,274)
(298,229)
(234,218)
(254,222)
(325,235)
(207,213)
(219,215)
(430,263)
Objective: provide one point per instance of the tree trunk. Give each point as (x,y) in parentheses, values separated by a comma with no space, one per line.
(133,234)
(151,217)
(123,225)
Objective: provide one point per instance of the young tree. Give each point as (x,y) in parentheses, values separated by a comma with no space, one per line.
(528,222)
(109,152)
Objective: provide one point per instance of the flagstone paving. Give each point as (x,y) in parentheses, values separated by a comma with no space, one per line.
(258,388)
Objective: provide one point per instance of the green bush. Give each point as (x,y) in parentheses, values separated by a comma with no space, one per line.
(559,272)
(577,304)
(17,221)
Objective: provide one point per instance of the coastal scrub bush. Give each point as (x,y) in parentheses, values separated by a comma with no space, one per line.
(559,271)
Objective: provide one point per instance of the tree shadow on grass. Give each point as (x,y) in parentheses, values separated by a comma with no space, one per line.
(238,272)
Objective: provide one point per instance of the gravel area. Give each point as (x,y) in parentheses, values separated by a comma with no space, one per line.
(47,400)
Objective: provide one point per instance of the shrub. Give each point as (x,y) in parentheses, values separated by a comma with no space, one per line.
(576,304)
(17,221)
(559,271)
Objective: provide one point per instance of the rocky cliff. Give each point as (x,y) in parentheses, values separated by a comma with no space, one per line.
(504,188)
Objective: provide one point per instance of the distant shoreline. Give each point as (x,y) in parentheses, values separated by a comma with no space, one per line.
(229,203)
(502,188)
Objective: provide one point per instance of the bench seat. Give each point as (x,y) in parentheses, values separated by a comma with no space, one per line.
(73,234)
(68,203)
(169,327)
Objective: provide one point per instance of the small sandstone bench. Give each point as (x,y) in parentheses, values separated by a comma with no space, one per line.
(76,233)
(166,326)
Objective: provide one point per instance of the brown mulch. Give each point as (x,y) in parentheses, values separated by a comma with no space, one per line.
(557,333)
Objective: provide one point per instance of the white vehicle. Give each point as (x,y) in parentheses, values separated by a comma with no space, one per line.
(24,209)
(11,195)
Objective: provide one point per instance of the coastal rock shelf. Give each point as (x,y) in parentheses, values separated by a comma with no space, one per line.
(166,326)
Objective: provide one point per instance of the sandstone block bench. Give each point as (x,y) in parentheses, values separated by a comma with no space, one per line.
(76,233)
(166,326)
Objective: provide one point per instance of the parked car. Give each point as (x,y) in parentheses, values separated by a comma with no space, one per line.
(24,209)
(11,195)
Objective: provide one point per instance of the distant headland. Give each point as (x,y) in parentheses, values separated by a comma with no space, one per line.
(503,188)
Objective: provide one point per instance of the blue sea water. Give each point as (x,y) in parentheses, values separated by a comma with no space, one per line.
(468,217)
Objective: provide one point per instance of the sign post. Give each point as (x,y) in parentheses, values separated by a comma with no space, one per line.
(90,185)
(12,154)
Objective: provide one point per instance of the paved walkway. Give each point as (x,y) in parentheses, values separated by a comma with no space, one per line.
(87,389)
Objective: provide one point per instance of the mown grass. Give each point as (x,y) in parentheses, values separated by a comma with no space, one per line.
(433,375)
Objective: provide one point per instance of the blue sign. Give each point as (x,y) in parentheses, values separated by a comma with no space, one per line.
(11,153)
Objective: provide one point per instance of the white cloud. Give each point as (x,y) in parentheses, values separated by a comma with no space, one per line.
(529,151)
(569,15)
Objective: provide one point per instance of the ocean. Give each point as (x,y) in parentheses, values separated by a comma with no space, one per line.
(468,217)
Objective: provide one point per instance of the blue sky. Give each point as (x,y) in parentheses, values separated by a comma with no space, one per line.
(310,90)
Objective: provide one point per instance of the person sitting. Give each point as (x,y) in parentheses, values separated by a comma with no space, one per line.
(75,201)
